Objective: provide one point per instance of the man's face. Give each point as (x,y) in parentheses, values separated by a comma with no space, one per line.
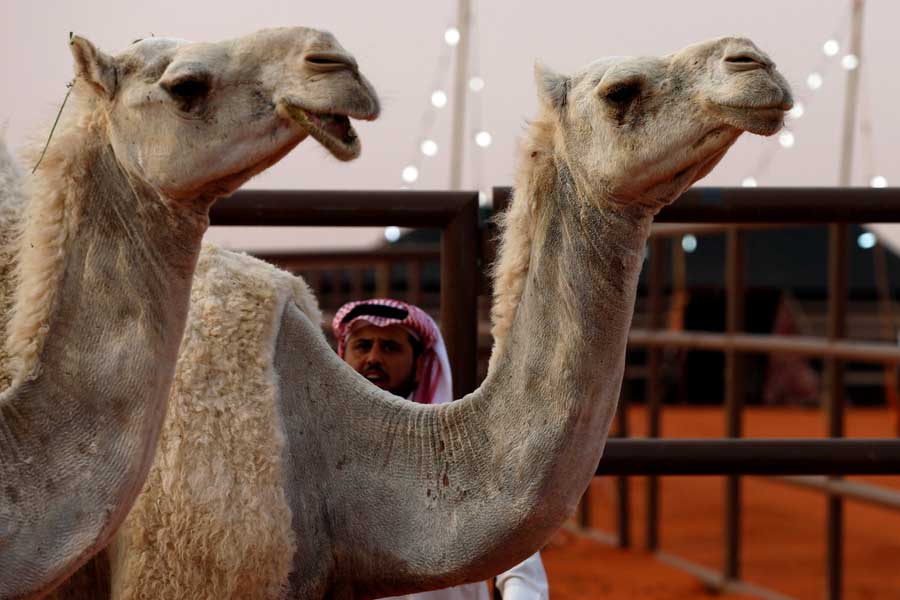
(384,356)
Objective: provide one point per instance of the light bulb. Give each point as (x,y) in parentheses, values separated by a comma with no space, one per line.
(483,139)
(831,47)
(476,84)
(410,174)
(429,147)
(866,240)
(878,181)
(749,182)
(850,61)
(451,36)
(484,201)
(392,233)
(439,99)
(689,243)
(786,139)
(814,80)
(797,111)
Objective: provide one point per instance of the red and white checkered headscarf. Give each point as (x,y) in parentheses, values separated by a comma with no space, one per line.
(435,380)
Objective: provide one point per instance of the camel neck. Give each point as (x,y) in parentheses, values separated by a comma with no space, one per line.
(577,304)
(128,265)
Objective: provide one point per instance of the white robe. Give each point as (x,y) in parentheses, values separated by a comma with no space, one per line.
(525,581)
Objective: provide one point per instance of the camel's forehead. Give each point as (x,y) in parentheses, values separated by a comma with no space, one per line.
(646,65)
(150,48)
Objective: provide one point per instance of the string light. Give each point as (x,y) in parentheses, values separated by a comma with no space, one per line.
(451,36)
(814,80)
(831,47)
(483,139)
(850,62)
(797,111)
(786,139)
(484,201)
(476,84)
(689,243)
(439,99)
(878,181)
(429,147)
(392,233)
(749,182)
(866,240)
(410,174)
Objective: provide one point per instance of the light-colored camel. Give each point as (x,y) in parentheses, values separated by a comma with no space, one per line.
(282,473)
(110,236)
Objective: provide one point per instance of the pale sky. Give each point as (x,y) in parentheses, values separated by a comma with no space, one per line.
(398,44)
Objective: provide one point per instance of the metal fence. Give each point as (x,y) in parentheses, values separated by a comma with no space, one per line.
(456,214)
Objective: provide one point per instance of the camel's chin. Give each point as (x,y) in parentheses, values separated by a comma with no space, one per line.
(333,131)
(761,121)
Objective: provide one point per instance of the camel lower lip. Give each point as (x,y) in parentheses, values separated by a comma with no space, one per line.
(332,130)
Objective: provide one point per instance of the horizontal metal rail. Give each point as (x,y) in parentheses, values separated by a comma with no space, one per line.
(347,259)
(717,581)
(404,208)
(778,205)
(852,490)
(871,352)
(751,456)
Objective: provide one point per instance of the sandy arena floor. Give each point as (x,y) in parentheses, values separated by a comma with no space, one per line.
(783,526)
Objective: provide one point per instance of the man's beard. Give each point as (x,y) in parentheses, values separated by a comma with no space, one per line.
(405,388)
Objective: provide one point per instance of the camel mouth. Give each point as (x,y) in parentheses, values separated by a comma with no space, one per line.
(333,130)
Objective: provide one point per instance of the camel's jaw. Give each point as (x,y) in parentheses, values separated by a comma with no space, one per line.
(332,130)
(761,120)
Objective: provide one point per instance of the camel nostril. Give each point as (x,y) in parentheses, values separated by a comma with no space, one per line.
(321,61)
(745,61)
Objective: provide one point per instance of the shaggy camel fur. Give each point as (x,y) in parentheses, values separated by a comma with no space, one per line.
(10,209)
(110,236)
(386,496)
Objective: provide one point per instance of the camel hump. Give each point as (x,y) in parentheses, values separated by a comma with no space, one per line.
(222,272)
(223,419)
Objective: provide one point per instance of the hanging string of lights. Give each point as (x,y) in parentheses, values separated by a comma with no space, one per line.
(426,146)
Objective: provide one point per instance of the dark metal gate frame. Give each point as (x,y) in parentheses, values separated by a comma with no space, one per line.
(455,213)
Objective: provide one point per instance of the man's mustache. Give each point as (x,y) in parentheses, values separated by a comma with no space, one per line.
(374,370)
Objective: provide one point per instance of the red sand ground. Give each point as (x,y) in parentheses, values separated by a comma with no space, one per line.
(783,526)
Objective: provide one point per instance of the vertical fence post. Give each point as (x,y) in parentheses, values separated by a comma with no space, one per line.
(624,500)
(734,395)
(459,295)
(654,384)
(834,373)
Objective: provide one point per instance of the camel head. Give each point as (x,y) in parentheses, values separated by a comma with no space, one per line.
(196,120)
(642,130)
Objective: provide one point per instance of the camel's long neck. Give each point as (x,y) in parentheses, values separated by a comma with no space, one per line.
(492,476)
(553,392)
(84,420)
(572,321)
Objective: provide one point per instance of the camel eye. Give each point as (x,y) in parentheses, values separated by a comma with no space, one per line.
(188,91)
(624,93)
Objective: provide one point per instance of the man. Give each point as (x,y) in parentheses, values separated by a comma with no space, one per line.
(399,348)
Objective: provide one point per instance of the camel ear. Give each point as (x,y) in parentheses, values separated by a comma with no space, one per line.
(553,87)
(95,67)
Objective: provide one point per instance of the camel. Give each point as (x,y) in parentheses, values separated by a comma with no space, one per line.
(366,495)
(109,239)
